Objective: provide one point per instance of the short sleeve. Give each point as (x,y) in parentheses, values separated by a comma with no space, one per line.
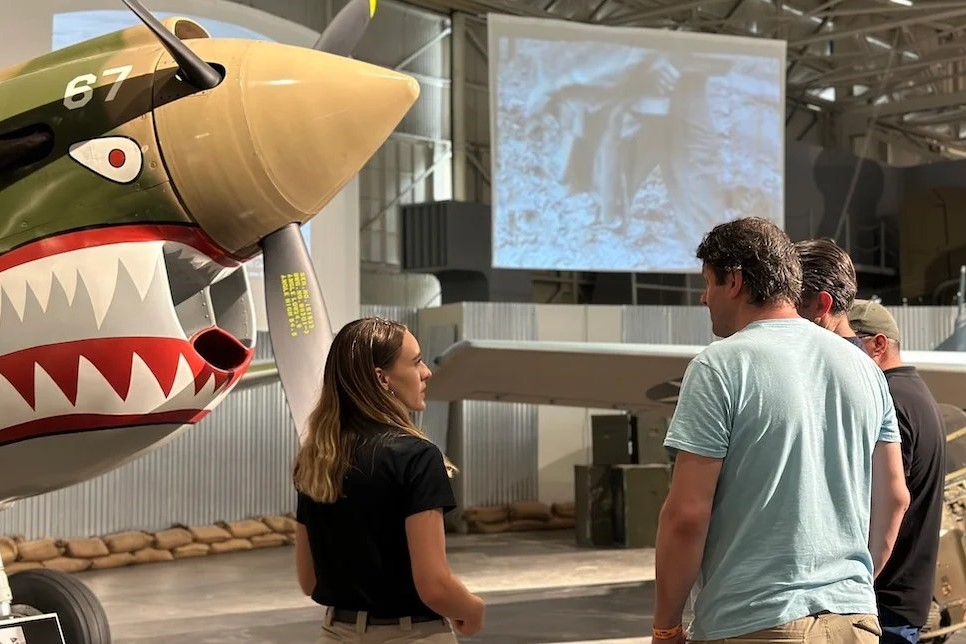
(889,428)
(701,423)
(302,508)
(426,484)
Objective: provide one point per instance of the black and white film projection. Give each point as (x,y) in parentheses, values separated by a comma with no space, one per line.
(616,149)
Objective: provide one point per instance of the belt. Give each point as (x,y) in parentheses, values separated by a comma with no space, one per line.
(347,616)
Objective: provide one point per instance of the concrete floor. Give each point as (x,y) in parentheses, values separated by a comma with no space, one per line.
(539,587)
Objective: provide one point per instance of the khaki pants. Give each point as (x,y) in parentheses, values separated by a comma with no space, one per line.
(827,627)
(438,632)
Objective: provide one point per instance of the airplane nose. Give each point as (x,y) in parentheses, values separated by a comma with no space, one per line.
(281,135)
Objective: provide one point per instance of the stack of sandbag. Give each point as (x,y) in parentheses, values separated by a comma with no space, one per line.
(487,519)
(519,516)
(563,515)
(139,547)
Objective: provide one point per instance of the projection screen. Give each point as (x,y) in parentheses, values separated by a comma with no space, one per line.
(617,149)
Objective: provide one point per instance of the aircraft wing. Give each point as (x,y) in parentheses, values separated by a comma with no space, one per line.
(633,377)
(600,375)
(259,372)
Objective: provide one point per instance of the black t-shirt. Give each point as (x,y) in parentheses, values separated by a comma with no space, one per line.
(906,583)
(359,545)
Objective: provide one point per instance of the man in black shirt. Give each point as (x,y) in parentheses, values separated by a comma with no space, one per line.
(904,587)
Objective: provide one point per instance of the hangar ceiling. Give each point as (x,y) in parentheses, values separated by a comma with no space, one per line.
(892,66)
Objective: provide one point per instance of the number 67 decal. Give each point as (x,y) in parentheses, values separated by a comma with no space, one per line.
(80,90)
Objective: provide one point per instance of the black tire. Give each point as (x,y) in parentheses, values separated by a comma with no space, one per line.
(82,618)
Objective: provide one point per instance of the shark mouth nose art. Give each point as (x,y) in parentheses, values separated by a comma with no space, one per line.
(119,327)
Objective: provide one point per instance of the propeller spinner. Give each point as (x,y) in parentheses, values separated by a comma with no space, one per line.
(280,175)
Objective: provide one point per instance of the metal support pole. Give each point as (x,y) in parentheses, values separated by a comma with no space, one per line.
(458,106)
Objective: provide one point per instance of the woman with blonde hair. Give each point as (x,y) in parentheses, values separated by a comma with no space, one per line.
(372,490)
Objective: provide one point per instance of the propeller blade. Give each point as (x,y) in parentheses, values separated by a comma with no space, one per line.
(195,70)
(346,29)
(298,322)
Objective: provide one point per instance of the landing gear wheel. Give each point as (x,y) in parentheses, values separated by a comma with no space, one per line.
(81,616)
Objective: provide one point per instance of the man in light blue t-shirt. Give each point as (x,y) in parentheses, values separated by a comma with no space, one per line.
(772,516)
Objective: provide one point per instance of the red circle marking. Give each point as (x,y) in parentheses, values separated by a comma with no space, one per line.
(116,158)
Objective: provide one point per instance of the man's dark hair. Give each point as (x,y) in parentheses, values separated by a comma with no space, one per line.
(769,264)
(827,267)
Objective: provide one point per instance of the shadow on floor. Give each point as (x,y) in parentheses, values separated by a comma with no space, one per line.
(606,611)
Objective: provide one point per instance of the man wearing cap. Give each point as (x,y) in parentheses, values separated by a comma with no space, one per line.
(904,586)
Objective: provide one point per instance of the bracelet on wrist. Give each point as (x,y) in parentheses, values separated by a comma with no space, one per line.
(666,633)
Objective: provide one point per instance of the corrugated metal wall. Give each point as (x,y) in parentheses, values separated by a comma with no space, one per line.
(921,327)
(495,444)
(667,324)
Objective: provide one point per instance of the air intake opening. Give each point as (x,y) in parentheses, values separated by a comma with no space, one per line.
(220,349)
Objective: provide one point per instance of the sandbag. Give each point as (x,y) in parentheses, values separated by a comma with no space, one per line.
(280,524)
(85,548)
(560,523)
(152,555)
(487,513)
(267,540)
(245,529)
(191,550)
(20,566)
(563,509)
(526,525)
(477,527)
(208,533)
(529,510)
(115,560)
(38,550)
(171,539)
(8,550)
(232,545)
(127,541)
(68,564)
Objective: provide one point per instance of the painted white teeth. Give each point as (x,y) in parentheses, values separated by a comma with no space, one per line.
(50,400)
(95,392)
(141,263)
(66,273)
(15,289)
(145,392)
(90,279)
(95,395)
(15,408)
(100,279)
(99,302)
(40,282)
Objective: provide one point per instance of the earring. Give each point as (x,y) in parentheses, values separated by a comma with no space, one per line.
(393,393)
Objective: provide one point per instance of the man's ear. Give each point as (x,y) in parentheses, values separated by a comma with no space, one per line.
(880,344)
(737,281)
(824,301)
